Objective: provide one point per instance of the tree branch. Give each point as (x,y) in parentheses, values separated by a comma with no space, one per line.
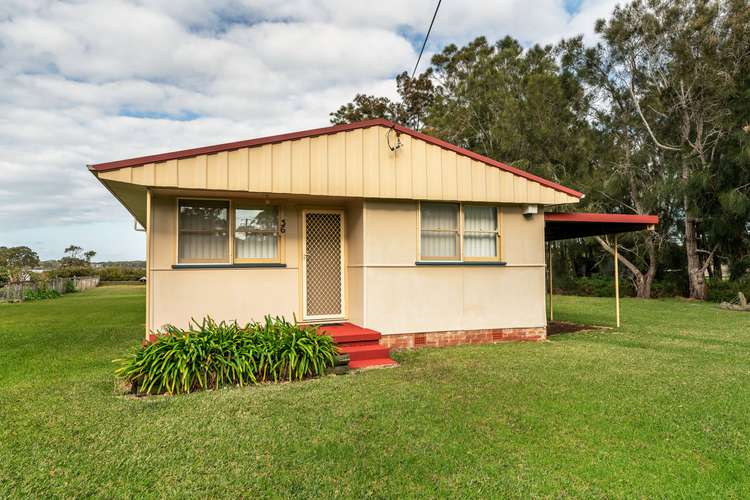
(637,105)
(636,272)
(708,259)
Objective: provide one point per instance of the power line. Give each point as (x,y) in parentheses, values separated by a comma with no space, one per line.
(426,38)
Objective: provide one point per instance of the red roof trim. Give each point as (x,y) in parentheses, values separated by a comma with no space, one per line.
(185,153)
(611,218)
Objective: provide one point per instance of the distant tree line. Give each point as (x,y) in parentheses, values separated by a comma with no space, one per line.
(654,119)
(21,263)
(16,262)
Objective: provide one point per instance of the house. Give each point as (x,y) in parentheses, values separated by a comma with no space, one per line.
(371,226)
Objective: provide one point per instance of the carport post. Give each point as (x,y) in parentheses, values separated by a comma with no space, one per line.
(617,287)
(549,268)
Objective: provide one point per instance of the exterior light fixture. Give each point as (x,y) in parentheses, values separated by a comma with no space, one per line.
(530,210)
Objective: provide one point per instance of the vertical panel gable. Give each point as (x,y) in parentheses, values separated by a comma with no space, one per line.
(237,167)
(355,163)
(319,165)
(371,161)
(354,154)
(301,166)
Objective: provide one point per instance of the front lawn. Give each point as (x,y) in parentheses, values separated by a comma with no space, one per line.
(658,408)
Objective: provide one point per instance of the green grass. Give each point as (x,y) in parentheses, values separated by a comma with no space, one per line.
(659,408)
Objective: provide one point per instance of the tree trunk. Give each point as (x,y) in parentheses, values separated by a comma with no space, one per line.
(644,288)
(694,268)
(642,281)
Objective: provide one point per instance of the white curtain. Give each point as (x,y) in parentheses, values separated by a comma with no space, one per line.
(439,228)
(256,233)
(480,231)
(204,230)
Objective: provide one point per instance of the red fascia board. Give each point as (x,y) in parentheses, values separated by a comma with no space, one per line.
(592,217)
(186,153)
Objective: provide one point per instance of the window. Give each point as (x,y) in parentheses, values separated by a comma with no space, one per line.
(218,232)
(203,231)
(440,231)
(256,234)
(450,231)
(480,232)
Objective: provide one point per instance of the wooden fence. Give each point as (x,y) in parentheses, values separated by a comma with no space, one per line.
(122,283)
(14,292)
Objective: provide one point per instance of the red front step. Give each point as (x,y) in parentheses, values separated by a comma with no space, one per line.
(374,343)
(351,338)
(360,352)
(361,344)
(347,332)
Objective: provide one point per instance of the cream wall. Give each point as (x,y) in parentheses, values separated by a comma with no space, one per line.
(242,294)
(385,290)
(401,297)
(354,259)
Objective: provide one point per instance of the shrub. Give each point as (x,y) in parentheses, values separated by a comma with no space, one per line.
(726,291)
(604,286)
(211,355)
(593,286)
(70,272)
(70,286)
(672,284)
(110,273)
(41,293)
(120,273)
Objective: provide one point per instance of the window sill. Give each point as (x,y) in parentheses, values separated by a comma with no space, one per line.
(459,263)
(228,266)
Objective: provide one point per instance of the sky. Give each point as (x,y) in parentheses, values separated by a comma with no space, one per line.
(86,82)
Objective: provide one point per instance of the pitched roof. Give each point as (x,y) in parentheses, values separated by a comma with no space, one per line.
(186,153)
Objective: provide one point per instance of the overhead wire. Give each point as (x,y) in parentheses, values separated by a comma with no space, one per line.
(427,37)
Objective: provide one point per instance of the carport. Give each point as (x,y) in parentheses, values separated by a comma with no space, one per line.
(565,226)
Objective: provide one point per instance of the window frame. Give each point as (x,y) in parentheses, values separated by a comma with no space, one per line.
(278,258)
(233,204)
(459,238)
(498,251)
(199,262)
(461,257)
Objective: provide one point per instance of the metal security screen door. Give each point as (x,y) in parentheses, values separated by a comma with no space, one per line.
(323,264)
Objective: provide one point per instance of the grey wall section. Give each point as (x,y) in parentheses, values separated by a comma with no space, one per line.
(401,297)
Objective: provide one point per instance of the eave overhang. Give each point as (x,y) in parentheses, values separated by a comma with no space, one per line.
(563,226)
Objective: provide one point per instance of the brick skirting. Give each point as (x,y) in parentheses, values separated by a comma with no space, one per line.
(458,337)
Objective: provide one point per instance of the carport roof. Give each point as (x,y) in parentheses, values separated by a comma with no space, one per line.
(563,226)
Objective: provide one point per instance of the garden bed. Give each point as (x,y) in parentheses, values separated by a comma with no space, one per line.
(211,354)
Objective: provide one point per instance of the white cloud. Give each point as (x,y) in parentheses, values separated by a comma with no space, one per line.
(92,81)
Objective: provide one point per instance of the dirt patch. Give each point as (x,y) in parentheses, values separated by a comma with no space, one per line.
(559,327)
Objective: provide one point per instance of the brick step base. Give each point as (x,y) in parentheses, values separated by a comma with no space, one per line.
(459,337)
